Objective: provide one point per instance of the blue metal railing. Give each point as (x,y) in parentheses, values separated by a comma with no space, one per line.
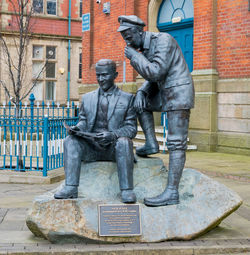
(35,139)
(164,123)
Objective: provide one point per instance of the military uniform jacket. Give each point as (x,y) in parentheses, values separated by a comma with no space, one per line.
(165,70)
(121,115)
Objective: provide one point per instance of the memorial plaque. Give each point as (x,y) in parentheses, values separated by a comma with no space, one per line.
(119,220)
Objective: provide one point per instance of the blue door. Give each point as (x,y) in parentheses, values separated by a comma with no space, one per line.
(184,37)
(176,18)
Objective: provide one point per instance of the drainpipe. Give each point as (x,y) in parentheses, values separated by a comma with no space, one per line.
(69,45)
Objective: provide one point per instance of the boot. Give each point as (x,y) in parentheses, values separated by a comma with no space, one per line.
(67,192)
(151,146)
(170,196)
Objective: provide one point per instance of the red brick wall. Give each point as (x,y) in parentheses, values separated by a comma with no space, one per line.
(204,34)
(103,41)
(53,25)
(233,39)
(222,37)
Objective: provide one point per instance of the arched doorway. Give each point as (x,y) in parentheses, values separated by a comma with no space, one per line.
(176,18)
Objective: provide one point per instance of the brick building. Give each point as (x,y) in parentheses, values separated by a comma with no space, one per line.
(215,39)
(56,28)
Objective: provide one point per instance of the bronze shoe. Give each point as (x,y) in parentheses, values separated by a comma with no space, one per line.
(145,150)
(168,197)
(67,192)
(128,196)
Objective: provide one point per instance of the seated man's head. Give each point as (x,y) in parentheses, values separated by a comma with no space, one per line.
(106,73)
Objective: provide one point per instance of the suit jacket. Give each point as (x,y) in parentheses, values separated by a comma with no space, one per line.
(165,70)
(121,115)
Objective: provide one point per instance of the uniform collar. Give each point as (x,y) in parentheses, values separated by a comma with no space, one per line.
(147,40)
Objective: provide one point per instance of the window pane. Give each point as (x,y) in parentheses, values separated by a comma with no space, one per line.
(37,52)
(50,52)
(166,12)
(50,70)
(80,66)
(38,91)
(37,70)
(80,9)
(178,8)
(50,90)
(188,9)
(51,7)
(38,6)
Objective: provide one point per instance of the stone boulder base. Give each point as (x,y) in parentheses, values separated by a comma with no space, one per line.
(204,203)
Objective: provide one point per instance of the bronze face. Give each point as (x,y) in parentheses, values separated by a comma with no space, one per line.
(105,76)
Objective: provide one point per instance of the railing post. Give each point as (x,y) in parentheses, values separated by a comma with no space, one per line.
(165,131)
(32,99)
(45,145)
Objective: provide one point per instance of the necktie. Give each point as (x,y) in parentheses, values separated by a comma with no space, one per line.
(104,104)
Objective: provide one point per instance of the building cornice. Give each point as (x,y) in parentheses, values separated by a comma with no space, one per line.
(43,16)
(44,36)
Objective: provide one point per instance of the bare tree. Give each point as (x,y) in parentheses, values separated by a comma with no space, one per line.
(21,31)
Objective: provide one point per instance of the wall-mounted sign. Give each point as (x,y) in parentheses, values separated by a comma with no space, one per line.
(85,22)
(176,19)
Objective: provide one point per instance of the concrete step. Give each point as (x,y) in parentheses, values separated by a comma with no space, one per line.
(161,147)
(139,140)
(160,139)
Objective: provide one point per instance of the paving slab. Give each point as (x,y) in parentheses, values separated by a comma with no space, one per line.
(161,248)
(31,177)
(232,236)
(230,166)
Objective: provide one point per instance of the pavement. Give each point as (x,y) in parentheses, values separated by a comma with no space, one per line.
(232,236)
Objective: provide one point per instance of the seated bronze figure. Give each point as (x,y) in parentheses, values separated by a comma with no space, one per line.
(107,124)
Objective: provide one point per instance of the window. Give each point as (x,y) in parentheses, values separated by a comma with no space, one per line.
(80,9)
(51,6)
(38,91)
(38,6)
(44,71)
(170,9)
(37,52)
(80,66)
(50,70)
(50,90)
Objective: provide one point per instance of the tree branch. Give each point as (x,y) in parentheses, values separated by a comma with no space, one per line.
(5,88)
(9,60)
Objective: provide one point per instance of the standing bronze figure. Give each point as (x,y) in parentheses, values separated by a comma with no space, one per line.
(107,124)
(168,88)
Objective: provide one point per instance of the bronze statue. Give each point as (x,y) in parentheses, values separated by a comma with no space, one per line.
(107,123)
(168,88)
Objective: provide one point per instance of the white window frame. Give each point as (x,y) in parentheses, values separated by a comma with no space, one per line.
(43,77)
(45,9)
